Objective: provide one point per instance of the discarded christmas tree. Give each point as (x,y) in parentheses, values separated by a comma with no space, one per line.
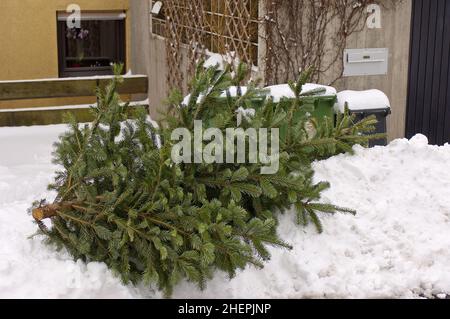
(122,199)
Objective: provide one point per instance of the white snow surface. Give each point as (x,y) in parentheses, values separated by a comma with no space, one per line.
(362,100)
(396,246)
(66,107)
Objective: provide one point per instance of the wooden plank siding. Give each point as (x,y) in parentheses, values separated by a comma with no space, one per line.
(429,74)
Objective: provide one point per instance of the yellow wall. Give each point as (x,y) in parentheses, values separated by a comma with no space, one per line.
(28,39)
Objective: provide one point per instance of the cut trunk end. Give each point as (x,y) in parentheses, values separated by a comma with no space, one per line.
(41,213)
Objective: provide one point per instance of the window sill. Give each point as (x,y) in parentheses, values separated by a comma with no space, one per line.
(77,72)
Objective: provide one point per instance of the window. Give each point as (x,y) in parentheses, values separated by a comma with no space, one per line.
(159,21)
(92,48)
(229,25)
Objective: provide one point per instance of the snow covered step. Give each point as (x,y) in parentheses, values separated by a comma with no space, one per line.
(60,88)
(66,107)
(68,87)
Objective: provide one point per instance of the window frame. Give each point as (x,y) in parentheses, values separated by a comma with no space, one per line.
(119,37)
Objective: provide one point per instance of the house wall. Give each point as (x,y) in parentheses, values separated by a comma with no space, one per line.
(148,54)
(28,41)
(149,57)
(394,35)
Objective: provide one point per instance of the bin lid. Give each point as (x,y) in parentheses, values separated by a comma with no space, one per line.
(277,92)
(362,100)
(232,91)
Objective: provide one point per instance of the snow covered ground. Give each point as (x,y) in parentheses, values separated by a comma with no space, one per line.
(396,247)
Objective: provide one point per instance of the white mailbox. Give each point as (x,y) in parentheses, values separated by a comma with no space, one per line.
(366,62)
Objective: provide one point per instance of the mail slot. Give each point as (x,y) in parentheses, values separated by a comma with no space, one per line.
(366,57)
(359,62)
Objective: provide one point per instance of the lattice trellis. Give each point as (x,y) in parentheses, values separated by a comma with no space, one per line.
(219,26)
(240,29)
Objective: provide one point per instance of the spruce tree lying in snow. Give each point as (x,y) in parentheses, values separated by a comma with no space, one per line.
(122,200)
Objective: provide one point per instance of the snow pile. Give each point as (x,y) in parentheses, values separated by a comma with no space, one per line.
(397,245)
(362,100)
(128,75)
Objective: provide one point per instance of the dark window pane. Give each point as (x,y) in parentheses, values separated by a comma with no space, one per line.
(92,48)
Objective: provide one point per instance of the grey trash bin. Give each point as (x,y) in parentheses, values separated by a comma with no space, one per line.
(364,104)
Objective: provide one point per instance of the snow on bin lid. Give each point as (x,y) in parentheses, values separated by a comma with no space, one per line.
(362,100)
(277,92)
(232,90)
